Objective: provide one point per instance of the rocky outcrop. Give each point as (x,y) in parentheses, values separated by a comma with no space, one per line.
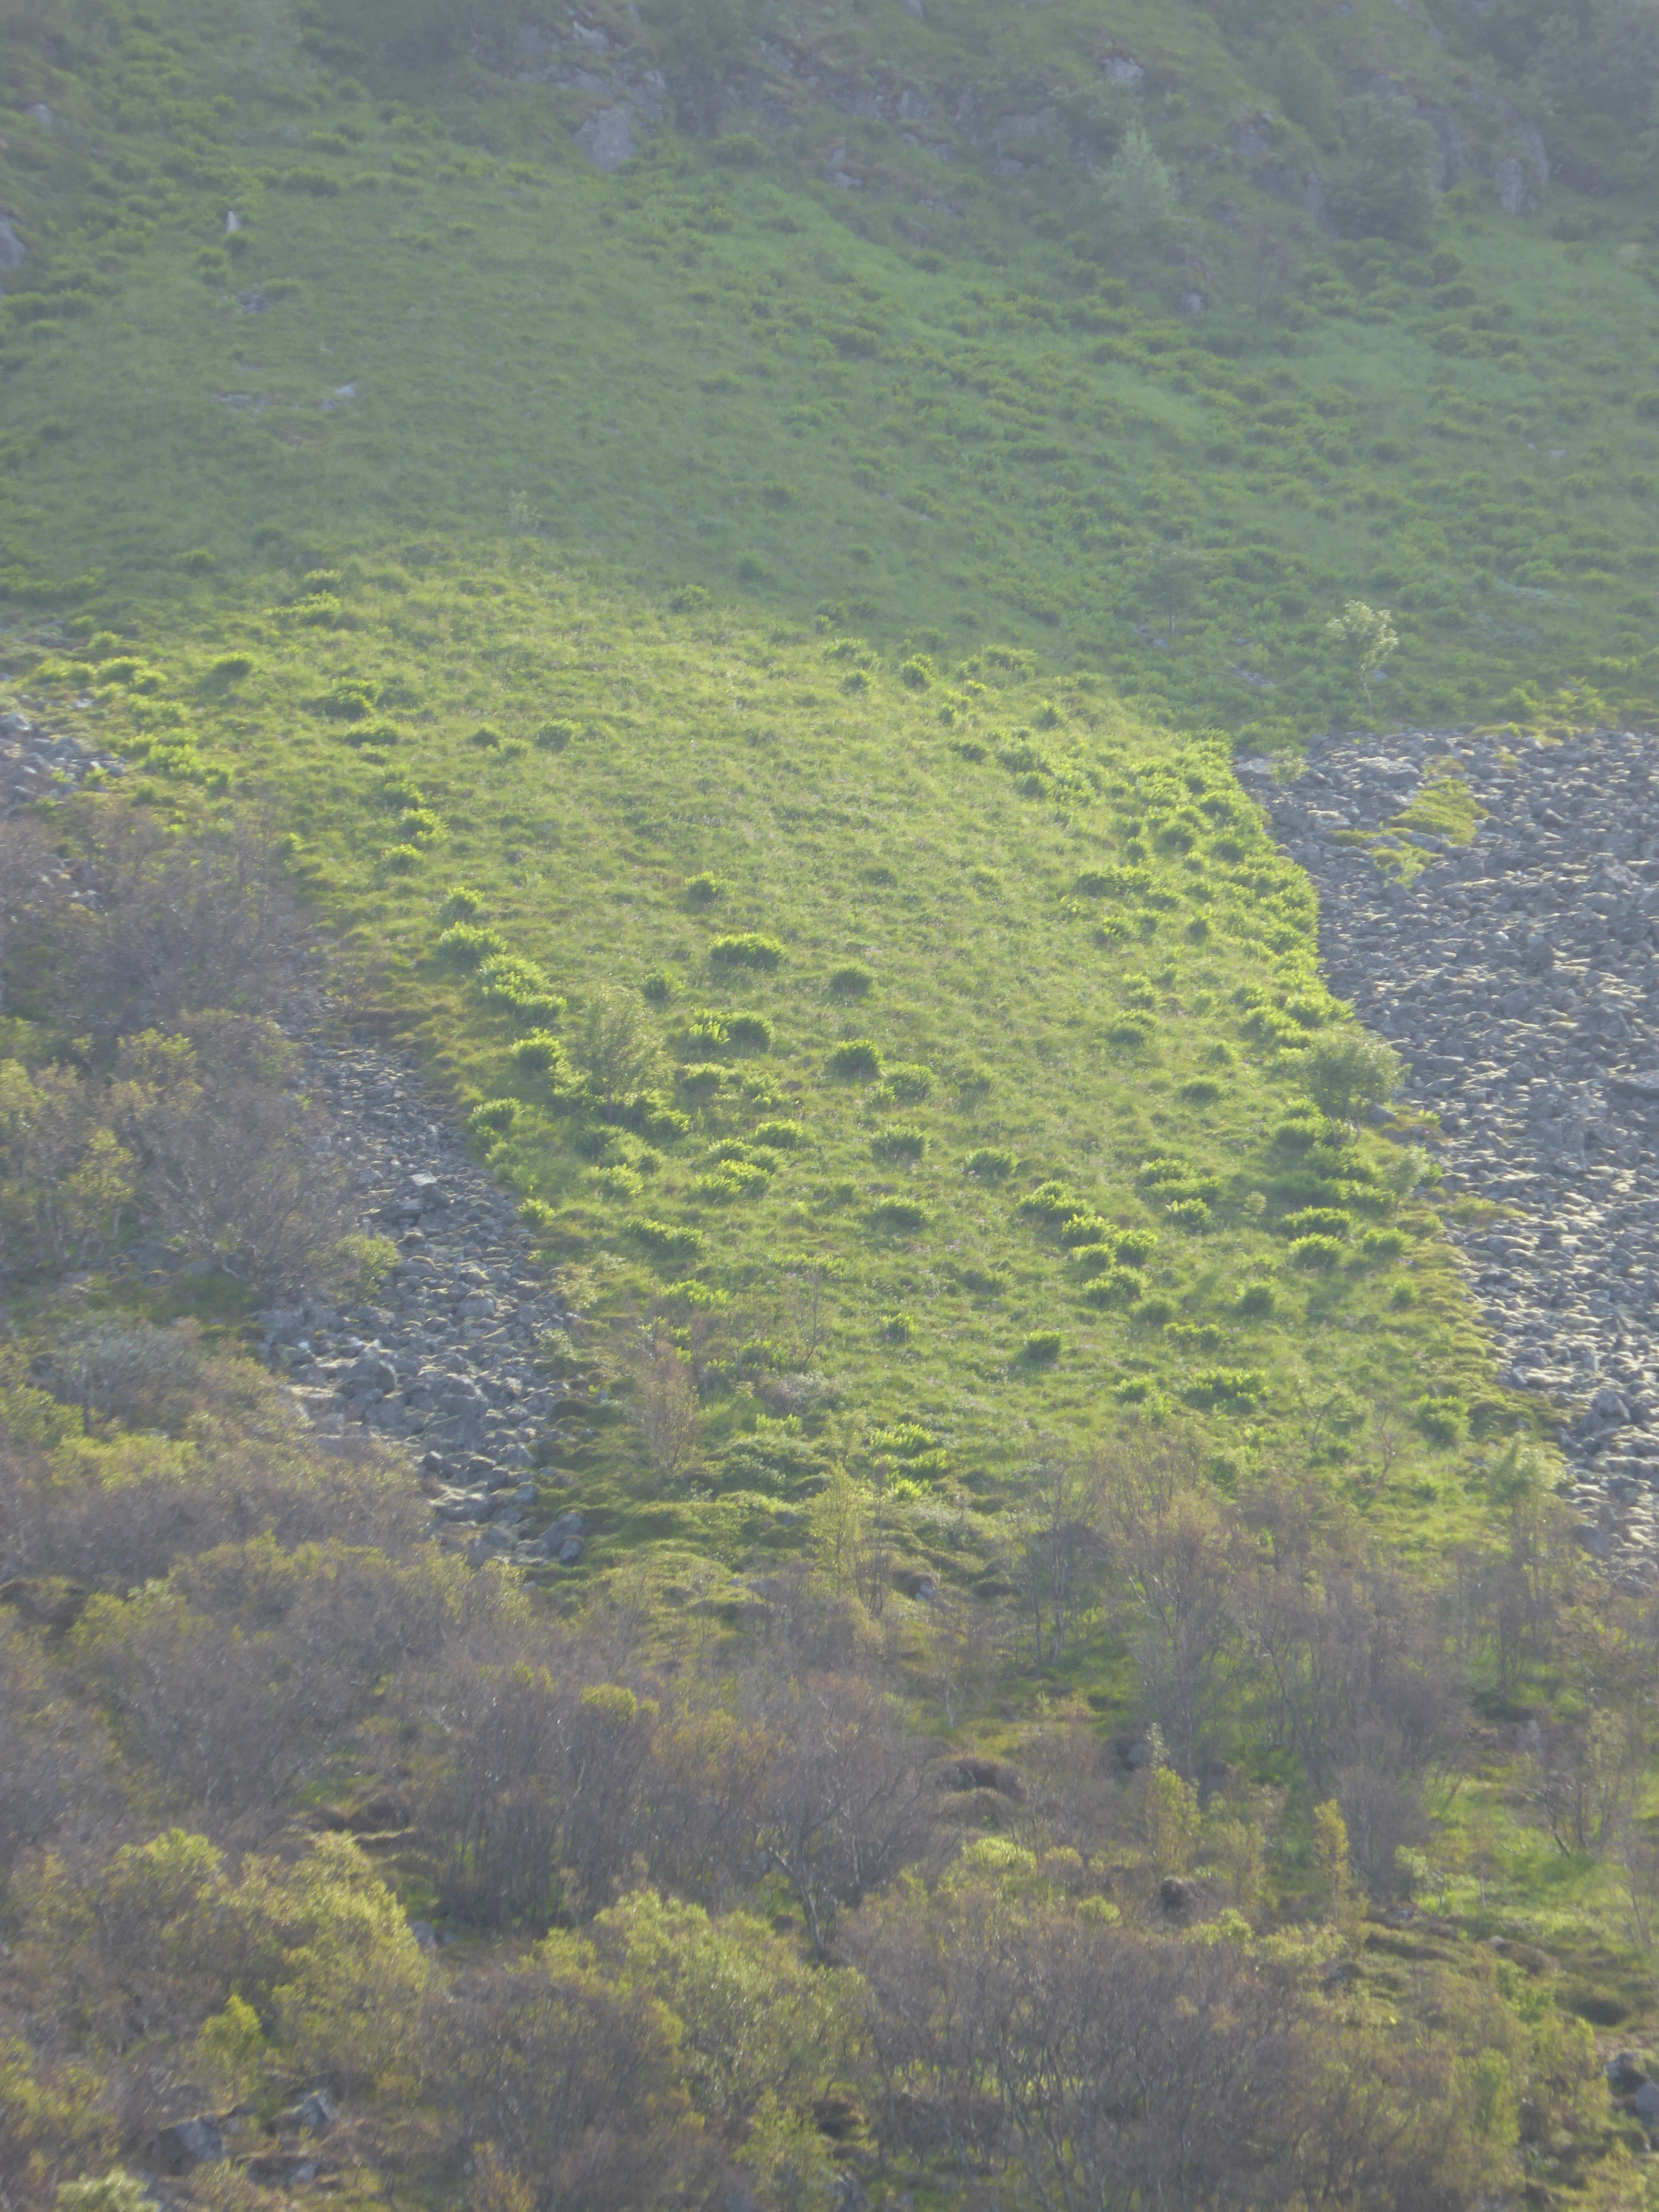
(451,1357)
(1517,976)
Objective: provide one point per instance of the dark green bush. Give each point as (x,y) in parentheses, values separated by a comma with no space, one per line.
(1118,1287)
(1091,1260)
(1383,1243)
(540,1052)
(989,1164)
(749,1033)
(1316,1253)
(1190,1213)
(465,945)
(1204,1091)
(851,982)
(899,1217)
(1317,1221)
(1130,1030)
(1041,1349)
(554,736)
(496,1115)
(658,989)
(1444,1421)
(700,1080)
(896,1329)
(780,1136)
(1053,1201)
(1226,1386)
(748,950)
(907,1083)
(459,904)
(1134,1246)
(1152,1313)
(1256,1300)
(1085,1228)
(521,987)
(900,1142)
(857,1059)
(663,1240)
(704,889)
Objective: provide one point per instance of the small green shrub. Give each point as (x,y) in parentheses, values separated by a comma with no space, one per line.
(465,945)
(1134,1390)
(228,669)
(858,1059)
(494,1115)
(1444,1421)
(706,1032)
(705,890)
(1091,1260)
(749,1033)
(907,1083)
(748,950)
(851,982)
(899,1141)
(700,1080)
(988,1164)
(1204,1091)
(898,1216)
(1318,1221)
(1152,1313)
(521,987)
(780,1136)
(1131,1030)
(1052,1201)
(486,740)
(1118,1287)
(540,1053)
(403,859)
(1348,1068)
(1383,1243)
(1296,1134)
(1041,1349)
(1189,1213)
(1241,1387)
(460,905)
(1134,1246)
(1316,1253)
(1403,1295)
(896,1329)
(665,1240)
(1256,1300)
(658,989)
(554,736)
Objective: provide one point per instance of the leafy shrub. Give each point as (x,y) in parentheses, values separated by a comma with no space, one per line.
(1134,1246)
(1084,1228)
(402,860)
(1091,1260)
(896,1329)
(1203,1092)
(658,989)
(1041,1349)
(465,945)
(749,1033)
(1298,1134)
(663,1240)
(700,1080)
(1131,1030)
(900,1140)
(1191,1213)
(706,1032)
(780,1136)
(540,1052)
(520,985)
(229,668)
(1226,1386)
(554,736)
(857,1058)
(989,1164)
(1317,1221)
(1383,1243)
(704,889)
(1118,1287)
(459,904)
(734,1179)
(1052,1201)
(1316,1253)
(1256,1300)
(1384,185)
(900,1217)
(747,951)
(1444,1421)
(1348,1068)
(907,1083)
(494,1115)
(851,982)
(488,740)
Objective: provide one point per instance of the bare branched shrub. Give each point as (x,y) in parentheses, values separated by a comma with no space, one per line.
(665,1407)
(65,1178)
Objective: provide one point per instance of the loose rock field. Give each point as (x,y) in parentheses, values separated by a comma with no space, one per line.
(1517,976)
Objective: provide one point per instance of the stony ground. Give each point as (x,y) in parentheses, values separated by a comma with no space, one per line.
(1517,976)
(447,1359)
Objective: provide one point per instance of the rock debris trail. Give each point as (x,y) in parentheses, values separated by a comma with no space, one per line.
(447,1361)
(1516,976)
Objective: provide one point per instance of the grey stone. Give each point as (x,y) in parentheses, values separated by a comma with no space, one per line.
(13,252)
(1645,2105)
(607,137)
(198,2142)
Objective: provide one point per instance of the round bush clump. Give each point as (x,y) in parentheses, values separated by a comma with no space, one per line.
(466,944)
(780,1136)
(496,1114)
(1444,1421)
(898,1216)
(896,1329)
(1256,1300)
(706,1032)
(554,736)
(1134,1246)
(460,905)
(1091,1260)
(539,1052)
(1130,1031)
(901,1141)
(700,1081)
(1084,1229)
(1152,1313)
(1383,1243)
(704,889)
(665,1240)
(990,1165)
(749,1033)
(1191,1213)
(1316,1253)
(1318,1221)
(1205,1092)
(906,1082)
(748,950)
(1052,1201)
(1118,1287)
(857,1059)
(658,989)
(402,860)
(1041,1349)
(851,982)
